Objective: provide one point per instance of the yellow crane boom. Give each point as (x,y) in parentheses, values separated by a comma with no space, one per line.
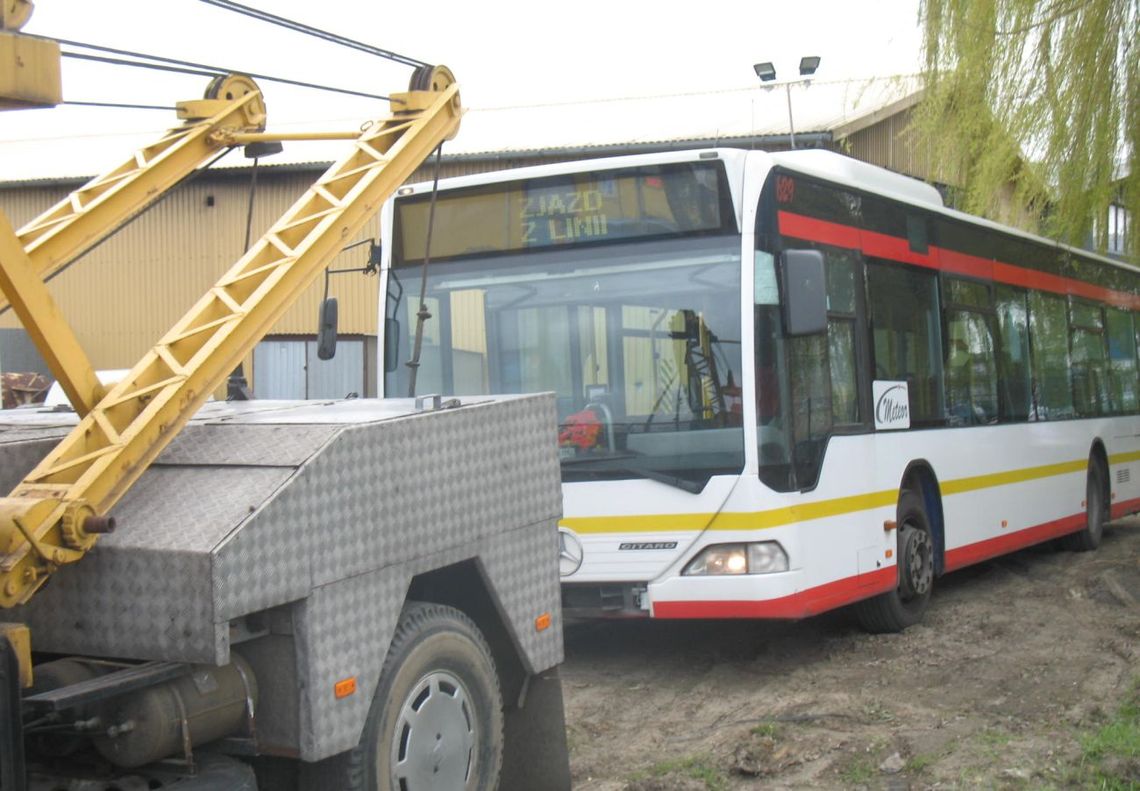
(233,105)
(55,514)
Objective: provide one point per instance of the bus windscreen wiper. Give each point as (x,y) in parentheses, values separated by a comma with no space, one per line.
(693,487)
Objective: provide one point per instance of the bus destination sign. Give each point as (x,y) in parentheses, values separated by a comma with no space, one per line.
(672,199)
(561,216)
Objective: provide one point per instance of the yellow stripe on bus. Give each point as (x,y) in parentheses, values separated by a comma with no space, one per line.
(759,520)
(1124,458)
(756,520)
(1013,476)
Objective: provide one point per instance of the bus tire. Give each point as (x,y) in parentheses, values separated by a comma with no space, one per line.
(1096,511)
(904,606)
(436,720)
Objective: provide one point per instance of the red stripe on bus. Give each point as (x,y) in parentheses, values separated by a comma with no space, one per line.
(821,231)
(798,605)
(971,265)
(893,248)
(1125,507)
(897,249)
(1001,545)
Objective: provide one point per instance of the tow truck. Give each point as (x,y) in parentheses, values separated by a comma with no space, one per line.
(264,594)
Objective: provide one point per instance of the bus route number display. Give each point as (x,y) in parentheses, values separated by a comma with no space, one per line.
(562,216)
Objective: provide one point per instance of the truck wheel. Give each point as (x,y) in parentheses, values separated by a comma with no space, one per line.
(1096,511)
(436,721)
(905,605)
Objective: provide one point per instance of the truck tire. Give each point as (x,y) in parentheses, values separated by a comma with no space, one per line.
(904,606)
(1096,510)
(436,721)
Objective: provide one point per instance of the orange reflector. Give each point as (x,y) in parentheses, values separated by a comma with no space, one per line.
(1005,523)
(542,622)
(890,553)
(345,687)
(890,524)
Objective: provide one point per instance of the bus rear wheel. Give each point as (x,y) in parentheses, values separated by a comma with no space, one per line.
(1096,510)
(905,605)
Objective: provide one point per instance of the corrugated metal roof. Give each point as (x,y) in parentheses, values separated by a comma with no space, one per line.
(836,107)
(817,106)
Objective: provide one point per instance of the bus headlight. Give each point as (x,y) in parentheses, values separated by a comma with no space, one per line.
(762,557)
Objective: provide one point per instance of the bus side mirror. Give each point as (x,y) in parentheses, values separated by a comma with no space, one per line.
(805,292)
(391,344)
(326,329)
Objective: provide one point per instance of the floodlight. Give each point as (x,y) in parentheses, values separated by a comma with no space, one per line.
(808,65)
(766,71)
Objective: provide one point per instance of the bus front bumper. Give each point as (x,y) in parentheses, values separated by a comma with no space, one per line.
(784,595)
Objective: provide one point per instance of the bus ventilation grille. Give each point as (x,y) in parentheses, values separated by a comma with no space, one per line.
(1124,475)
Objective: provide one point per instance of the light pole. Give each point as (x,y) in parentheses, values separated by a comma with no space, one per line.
(767,73)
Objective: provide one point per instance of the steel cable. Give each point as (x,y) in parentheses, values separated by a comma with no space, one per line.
(299,27)
(189,67)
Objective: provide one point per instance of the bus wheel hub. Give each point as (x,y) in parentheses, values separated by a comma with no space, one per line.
(917,573)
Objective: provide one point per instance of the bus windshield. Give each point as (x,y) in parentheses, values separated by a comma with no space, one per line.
(639,340)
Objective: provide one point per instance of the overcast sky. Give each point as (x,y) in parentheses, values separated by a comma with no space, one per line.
(503,52)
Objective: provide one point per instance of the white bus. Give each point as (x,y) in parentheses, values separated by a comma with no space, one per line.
(788,382)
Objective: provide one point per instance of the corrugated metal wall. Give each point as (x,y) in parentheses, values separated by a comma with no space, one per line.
(889,145)
(124,294)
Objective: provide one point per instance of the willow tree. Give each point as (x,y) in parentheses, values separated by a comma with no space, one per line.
(1036,103)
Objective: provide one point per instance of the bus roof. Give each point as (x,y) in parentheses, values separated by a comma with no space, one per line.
(827,165)
(858,174)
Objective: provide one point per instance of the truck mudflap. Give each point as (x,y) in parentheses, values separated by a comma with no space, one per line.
(535,753)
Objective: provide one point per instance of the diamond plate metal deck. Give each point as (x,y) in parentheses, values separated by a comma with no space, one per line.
(332,507)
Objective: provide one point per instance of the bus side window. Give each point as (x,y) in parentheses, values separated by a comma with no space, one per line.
(1049,340)
(1089,363)
(971,377)
(1013,356)
(902,308)
(824,389)
(1121,361)
(971,368)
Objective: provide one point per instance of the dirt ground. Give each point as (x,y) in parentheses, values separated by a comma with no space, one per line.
(1017,659)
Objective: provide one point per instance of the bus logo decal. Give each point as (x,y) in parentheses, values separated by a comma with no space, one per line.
(648,545)
(570,552)
(892,405)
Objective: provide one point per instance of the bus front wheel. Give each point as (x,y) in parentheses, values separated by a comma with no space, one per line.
(905,605)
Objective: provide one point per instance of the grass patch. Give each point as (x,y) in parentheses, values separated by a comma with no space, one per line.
(770,730)
(919,763)
(697,768)
(860,771)
(1110,755)
(993,742)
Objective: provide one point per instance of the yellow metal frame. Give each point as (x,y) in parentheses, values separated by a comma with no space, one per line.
(53,516)
(85,217)
(29,65)
(20,638)
(92,212)
(29,72)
